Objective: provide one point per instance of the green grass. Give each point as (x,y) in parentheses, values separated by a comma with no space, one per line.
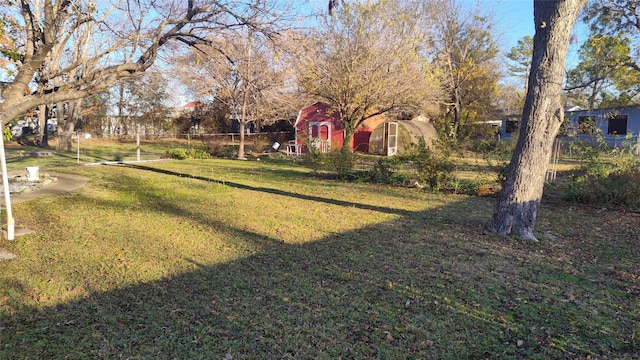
(200,259)
(91,151)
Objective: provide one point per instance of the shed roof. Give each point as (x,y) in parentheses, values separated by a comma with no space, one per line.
(317,112)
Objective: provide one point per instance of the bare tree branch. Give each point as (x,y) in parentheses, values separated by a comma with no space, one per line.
(127,40)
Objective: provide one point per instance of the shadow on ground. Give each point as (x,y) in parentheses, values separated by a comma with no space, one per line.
(400,289)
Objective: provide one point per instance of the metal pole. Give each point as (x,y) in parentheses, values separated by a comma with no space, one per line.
(7,196)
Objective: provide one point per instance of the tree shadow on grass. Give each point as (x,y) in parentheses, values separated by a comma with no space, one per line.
(362,294)
(429,284)
(273,191)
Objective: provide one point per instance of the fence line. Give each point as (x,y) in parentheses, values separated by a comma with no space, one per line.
(231,137)
(631,143)
(555,155)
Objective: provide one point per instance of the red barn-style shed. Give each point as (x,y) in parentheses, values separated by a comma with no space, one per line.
(319,127)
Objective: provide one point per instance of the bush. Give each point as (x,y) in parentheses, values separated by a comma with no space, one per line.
(383,172)
(434,166)
(500,168)
(618,189)
(261,143)
(503,150)
(179,154)
(485,145)
(606,177)
(605,184)
(341,162)
(218,149)
(315,160)
(335,161)
(193,153)
(435,170)
(199,154)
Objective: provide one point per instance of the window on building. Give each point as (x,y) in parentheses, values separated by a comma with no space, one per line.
(314,130)
(617,125)
(324,132)
(511,126)
(586,125)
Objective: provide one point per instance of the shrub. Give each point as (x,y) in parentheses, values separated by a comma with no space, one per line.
(484,145)
(383,172)
(502,151)
(501,168)
(341,163)
(606,177)
(434,166)
(436,171)
(480,185)
(217,148)
(261,143)
(193,153)
(605,183)
(196,153)
(179,154)
(315,160)
(618,189)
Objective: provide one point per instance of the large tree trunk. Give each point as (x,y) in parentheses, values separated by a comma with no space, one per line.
(43,117)
(241,124)
(65,133)
(119,119)
(67,124)
(457,113)
(245,96)
(349,131)
(519,200)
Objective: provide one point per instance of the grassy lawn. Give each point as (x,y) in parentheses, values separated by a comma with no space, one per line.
(219,259)
(91,151)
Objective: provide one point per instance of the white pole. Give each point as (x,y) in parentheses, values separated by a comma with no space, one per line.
(7,196)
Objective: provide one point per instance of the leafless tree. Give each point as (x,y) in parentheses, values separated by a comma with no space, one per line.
(244,71)
(366,60)
(119,38)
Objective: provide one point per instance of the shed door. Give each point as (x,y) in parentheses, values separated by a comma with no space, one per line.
(391,138)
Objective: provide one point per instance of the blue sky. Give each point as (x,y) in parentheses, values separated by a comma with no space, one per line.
(514,17)
(514,20)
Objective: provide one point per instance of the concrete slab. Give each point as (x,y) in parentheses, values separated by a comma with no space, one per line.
(65,182)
